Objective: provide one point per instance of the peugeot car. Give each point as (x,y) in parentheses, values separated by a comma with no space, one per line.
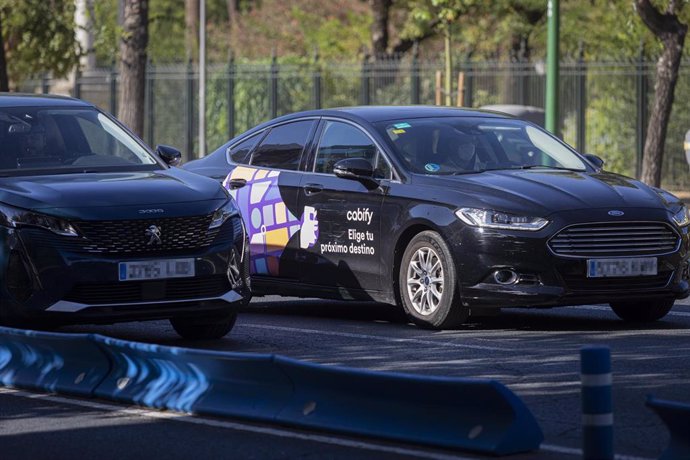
(96,228)
(448,212)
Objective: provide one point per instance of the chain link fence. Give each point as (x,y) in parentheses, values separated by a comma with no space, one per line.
(604,106)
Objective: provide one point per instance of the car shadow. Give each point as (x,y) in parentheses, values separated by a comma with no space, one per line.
(563,319)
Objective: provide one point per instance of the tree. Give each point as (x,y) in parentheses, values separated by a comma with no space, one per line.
(4,83)
(671,32)
(441,15)
(38,36)
(191,20)
(133,44)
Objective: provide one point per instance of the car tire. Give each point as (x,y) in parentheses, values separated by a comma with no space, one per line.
(428,284)
(644,311)
(204,329)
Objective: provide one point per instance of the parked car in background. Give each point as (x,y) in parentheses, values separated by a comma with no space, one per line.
(445,212)
(94,227)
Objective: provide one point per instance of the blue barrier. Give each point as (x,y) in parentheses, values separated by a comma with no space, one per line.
(676,417)
(472,414)
(597,405)
(65,363)
(200,381)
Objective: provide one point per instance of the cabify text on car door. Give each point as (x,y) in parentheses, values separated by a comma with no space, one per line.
(346,209)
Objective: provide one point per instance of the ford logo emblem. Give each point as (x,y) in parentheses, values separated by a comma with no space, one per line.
(616,213)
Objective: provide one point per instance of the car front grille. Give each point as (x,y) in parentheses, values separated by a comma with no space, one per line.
(149,291)
(615,240)
(580,283)
(133,236)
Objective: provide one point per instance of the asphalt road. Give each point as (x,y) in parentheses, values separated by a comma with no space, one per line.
(534,352)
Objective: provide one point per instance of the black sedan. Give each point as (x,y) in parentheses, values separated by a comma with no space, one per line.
(96,228)
(448,212)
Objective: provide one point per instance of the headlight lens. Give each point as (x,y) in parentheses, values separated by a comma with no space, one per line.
(15,217)
(486,218)
(682,217)
(223,213)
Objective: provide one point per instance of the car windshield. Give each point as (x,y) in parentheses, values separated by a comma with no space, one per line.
(41,140)
(464,145)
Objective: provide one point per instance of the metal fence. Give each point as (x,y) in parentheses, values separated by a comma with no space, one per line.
(603,105)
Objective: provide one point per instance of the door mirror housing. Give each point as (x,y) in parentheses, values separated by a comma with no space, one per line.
(355,169)
(170,155)
(595,160)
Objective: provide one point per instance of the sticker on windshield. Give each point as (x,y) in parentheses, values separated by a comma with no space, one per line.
(402,125)
(398,131)
(432,167)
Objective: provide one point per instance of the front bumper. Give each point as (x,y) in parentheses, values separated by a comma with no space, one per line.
(549,280)
(52,278)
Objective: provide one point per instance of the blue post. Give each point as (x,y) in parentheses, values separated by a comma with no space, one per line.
(597,414)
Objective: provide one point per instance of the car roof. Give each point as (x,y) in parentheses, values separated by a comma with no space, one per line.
(375,113)
(39,100)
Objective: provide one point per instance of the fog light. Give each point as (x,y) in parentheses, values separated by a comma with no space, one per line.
(506,277)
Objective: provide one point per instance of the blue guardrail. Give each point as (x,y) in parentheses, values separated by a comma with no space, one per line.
(477,415)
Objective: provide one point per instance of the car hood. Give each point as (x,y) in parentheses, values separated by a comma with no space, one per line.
(66,193)
(544,192)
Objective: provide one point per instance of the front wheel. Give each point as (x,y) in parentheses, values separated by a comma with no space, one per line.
(643,311)
(204,328)
(428,283)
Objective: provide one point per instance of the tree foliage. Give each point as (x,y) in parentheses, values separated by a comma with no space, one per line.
(39,36)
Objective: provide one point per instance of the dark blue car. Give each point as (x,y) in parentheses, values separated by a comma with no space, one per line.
(94,227)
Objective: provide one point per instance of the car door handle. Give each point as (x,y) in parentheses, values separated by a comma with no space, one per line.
(312,189)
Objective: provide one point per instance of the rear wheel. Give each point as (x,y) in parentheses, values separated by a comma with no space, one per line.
(204,328)
(643,311)
(428,283)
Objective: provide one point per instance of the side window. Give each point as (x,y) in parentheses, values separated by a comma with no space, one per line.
(282,147)
(239,153)
(342,140)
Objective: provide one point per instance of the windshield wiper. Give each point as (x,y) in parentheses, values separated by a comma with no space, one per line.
(562,168)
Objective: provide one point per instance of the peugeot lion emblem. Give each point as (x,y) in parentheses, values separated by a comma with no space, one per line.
(616,213)
(154,234)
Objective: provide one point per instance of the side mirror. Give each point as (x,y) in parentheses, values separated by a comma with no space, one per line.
(354,168)
(170,155)
(595,160)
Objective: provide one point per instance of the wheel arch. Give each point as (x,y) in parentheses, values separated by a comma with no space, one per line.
(401,243)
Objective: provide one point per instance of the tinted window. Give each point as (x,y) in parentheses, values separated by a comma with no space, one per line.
(240,153)
(59,139)
(282,147)
(342,140)
(466,145)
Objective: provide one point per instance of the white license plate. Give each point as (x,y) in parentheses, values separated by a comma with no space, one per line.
(156,269)
(602,268)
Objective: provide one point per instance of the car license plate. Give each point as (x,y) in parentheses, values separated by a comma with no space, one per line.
(602,268)
(156,269)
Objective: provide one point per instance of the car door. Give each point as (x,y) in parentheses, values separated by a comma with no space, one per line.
(340,229)
(266,190)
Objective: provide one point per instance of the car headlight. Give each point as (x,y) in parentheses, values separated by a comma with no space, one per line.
(682,217)
(486,218)
(223,213)
(16,217)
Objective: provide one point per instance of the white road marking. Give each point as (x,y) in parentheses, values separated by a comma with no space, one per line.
(684,314)
(351,335)
(189,418)
(282,433)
